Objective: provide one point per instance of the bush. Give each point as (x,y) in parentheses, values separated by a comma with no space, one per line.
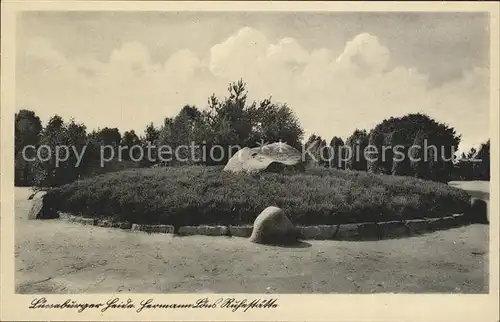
(196,195)
(414,129)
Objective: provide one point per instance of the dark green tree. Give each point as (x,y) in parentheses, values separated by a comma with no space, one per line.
(229,124)
(273,122)
(438,143)
(337,153)
(481,164)
(418,164)
(131,140)
(357,144)
(317,152)
(27,129)
(151,138)
(68,139)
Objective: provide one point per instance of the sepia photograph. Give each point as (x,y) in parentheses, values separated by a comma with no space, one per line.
(249,152)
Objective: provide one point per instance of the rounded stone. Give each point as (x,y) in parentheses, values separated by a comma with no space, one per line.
(272,226)
(478,212)
(40,210)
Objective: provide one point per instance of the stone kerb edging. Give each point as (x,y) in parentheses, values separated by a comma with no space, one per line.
(165,229)
(77,219)
(359,231)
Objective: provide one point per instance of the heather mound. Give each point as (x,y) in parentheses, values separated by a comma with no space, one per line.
(195,195)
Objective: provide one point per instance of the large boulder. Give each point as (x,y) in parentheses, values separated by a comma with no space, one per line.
(272,226)
(40,210)
(275,157)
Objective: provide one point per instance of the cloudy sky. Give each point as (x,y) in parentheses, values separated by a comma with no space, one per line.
(337,71)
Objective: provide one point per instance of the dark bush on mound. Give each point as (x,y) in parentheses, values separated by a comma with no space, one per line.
(198,195)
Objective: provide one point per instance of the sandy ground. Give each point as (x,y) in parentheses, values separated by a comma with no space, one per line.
(58,257)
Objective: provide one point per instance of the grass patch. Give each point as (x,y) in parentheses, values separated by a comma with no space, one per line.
(198,195)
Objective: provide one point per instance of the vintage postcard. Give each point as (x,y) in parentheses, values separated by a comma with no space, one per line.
(249,161)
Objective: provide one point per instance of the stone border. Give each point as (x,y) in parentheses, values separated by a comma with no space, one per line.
(164,229)
(241,231)
(360,231)
(106,223)
(77,219)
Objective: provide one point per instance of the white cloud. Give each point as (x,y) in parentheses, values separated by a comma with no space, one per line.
(183,63)
(130,55)
(287,50)
(42,51)
(365,52)
(239,55)
(332,94)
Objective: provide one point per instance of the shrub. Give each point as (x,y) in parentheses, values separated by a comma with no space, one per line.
(196,195)
(414,129)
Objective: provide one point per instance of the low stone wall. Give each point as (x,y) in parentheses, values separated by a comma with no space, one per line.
(241,231)
(113,224)
(361,231)
(77,219)
(165,229)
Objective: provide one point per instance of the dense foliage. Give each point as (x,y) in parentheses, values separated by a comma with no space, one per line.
(422,131)
(474,165)
(27,129)
(337,155)
(195,195)
(357,143)
(232,122)
(228,122)
(57,134)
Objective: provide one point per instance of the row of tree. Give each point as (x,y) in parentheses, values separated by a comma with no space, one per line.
(234,121)
(474,165)
(425,149)
(231,121)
